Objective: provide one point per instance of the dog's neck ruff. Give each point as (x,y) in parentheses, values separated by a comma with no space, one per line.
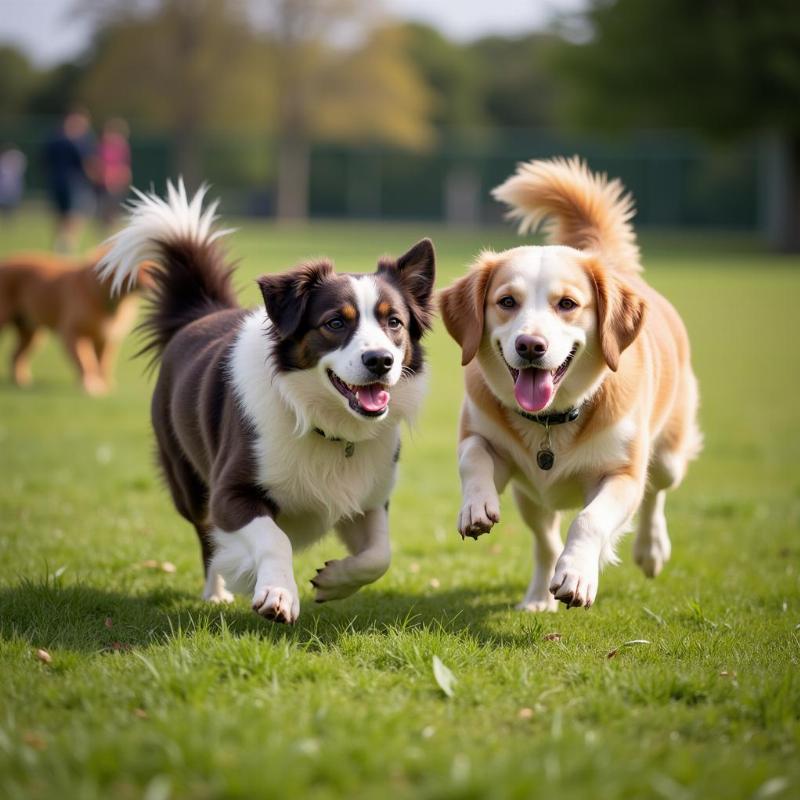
(570,415)
(349,447)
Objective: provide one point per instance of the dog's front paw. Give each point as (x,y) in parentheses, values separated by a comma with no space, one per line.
(277,603)
(539,606)
(332,582)
(575,580)
(478,514)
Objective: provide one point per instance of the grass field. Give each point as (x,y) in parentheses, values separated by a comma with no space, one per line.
(150,693)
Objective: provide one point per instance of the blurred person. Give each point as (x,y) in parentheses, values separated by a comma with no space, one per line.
(114,169)
(12,178)
(70,163)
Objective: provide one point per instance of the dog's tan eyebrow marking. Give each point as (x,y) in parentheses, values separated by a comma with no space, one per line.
(349,312)
(384,308)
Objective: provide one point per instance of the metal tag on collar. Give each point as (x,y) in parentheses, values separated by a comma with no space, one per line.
(545,457)
(349,449)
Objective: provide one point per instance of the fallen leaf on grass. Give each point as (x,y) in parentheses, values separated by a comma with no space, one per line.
(140,713)
(34,740)
(109,623)
(444,677)
(164,566)
(525,713)
(631,643)
(552,637)
(44,656)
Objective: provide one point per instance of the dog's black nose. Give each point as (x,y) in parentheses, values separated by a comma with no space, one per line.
(530,347)
(378,362)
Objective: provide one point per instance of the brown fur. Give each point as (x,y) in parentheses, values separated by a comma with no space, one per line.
(43,290)
(634,370)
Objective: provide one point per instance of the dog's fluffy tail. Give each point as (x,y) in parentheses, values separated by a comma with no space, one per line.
(189,274)
(578,208)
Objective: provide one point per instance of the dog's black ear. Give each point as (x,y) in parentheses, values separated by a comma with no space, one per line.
(415,273)
(286,295)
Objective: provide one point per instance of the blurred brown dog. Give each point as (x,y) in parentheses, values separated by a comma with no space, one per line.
(43,290)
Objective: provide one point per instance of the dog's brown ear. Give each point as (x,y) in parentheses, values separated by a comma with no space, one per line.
(620,313)
(463,304)
(415,272)
(286,295)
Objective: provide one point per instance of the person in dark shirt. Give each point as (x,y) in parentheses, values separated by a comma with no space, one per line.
(69,161)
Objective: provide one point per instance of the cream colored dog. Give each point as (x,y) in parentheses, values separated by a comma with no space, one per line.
(579,387)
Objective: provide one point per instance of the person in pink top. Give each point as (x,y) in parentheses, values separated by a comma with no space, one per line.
(114,167)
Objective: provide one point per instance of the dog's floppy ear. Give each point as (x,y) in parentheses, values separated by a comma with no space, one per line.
(415,272)
(620,313)
(286,295)
(462,306)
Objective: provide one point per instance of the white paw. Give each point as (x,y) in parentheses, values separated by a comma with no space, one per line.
(277,603)
(479,512)
(333,583)
(215,591)
(652,553)
(222,596)
(575,579)
(549,604)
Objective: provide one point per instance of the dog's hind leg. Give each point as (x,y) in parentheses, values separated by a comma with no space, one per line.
(546,528)
(189,497)
(652,547)
(20,358)
(367,540)
(679,443)
(81,351)
(214,589)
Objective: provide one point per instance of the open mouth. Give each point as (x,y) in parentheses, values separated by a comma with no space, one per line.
(370,400)
(533,387)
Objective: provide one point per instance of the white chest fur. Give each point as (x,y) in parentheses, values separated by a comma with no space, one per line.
(577,465)
(312,479)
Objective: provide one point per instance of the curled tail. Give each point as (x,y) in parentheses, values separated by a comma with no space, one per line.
(191,276)
(581,209)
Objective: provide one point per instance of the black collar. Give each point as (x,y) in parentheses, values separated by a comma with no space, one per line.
(349,447)
(570,415)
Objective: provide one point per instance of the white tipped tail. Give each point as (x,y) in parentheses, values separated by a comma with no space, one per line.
(153,222)
(578,208)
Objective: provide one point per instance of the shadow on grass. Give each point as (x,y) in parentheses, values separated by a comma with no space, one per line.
(87,619)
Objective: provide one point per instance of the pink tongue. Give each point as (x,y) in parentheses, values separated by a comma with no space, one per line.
(533,388)
(372,397)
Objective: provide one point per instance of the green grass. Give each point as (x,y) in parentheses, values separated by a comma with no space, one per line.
(153,694)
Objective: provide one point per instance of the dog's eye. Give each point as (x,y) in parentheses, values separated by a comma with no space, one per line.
(394,323)
(507,301)
(567,304)
(335,324)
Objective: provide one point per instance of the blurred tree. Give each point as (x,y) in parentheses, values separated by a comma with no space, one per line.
(293,69)
(728,67)
(516,83)
(453,76)
(18,80)
(186,66)
(361,90)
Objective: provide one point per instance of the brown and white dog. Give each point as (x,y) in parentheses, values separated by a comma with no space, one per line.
(579,387)
(44,290)
(277,424)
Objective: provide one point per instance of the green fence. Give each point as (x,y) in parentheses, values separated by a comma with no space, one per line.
(677,179)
